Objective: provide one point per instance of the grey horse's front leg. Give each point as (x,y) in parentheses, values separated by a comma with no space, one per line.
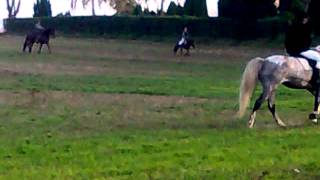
(313,115)
(272,108)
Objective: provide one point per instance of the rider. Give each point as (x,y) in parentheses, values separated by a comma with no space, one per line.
(298,38)
(38,25)
(298,41)
(185,36)
(38,28)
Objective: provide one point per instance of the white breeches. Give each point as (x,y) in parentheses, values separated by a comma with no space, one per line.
(181,41)
(311,54)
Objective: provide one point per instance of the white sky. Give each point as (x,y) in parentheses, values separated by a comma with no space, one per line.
(62,6)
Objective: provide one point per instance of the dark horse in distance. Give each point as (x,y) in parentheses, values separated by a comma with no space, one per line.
(38,36)
(189,43)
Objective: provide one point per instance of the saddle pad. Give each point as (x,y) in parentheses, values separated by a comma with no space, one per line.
(300,63)
(317,48)
(304,63)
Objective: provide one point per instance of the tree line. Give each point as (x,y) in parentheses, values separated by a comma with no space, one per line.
(239,9)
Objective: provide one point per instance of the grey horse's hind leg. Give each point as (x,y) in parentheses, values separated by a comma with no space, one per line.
(257,105)
(272,108)
(267,90)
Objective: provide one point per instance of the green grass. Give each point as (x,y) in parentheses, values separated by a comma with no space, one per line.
(115,109)
(165,154)
(180,86)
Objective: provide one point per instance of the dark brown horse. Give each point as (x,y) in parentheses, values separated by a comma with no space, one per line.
(40,37)
(189,43)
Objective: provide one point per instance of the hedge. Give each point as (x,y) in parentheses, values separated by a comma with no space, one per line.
(138,26)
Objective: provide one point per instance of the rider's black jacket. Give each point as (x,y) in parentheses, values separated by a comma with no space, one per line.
(298,38)
(185,35)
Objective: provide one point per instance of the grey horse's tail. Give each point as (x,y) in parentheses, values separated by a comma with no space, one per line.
(248,84)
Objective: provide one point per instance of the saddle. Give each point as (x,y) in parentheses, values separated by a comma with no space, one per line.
(312,63)
(315,66)
(300,62)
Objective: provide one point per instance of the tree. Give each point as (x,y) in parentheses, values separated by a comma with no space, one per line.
(245,9)
(314,13)
(85,3)
(160,11)
(67,14)
(262,8)
(42,8)
(122,6)
(13,8)
(313,10)
(137,10)
(196,8)
(293,6)
(174,9)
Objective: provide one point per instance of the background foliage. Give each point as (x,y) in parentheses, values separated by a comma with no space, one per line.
(139,26)
(42,8)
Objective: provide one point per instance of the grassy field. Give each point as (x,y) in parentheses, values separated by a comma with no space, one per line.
(118,109)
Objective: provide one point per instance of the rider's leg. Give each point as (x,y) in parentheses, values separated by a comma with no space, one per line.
(311,54)
(313,115)
(181,41)
(314,55)
(316,85)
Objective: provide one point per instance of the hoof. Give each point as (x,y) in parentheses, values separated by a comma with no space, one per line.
(250,125)
(313,118)
(315,121)
(282,125)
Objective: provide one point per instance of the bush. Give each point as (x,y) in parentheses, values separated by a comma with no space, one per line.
(42,8)
(138,26)
(315,14)
(244,9)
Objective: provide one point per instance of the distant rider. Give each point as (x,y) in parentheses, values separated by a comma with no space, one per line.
(184,37)
(38,26)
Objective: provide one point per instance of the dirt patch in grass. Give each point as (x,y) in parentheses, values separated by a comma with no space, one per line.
(52,68)
(108,111)
(76,99)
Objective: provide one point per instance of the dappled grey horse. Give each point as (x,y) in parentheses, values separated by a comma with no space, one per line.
(38,36)
(271,72)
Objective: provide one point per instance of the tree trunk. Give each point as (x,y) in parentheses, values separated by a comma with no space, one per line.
(307,2)
(93,11)
(12,8)
(161,8)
